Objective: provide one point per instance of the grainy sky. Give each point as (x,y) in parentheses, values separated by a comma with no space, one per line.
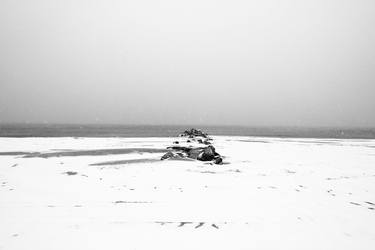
(269,62)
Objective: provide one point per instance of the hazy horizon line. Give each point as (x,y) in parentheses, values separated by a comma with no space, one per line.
(188,125)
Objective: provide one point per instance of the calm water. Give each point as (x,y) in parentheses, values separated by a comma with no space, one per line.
(50,130)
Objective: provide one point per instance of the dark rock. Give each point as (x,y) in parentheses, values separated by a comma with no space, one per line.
(194,153)
(167,155)
(174,155)
(207,154)
(218,160)
(176,142)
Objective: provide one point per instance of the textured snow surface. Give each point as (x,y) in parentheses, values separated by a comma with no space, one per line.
(273,194)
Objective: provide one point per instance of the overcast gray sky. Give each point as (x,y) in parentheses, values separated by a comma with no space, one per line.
(270,62)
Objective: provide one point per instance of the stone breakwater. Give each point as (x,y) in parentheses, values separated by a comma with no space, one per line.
(194,145)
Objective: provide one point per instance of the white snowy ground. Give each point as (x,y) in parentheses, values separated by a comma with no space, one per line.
(273,194)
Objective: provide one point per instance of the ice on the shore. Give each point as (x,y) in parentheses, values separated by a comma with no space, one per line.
(275,194)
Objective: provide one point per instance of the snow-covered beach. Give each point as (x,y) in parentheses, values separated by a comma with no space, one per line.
(114,193)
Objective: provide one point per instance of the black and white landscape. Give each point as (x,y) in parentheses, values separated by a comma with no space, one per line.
(196,125)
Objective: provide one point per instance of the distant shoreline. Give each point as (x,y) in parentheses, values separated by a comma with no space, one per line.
(126,131)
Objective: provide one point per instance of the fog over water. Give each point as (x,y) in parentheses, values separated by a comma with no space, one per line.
(274,63)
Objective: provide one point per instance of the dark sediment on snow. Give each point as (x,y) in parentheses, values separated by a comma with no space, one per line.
(96,152)
(120,162)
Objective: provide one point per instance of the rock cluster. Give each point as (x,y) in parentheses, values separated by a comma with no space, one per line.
(196,135)
(191,133)
(201,153)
